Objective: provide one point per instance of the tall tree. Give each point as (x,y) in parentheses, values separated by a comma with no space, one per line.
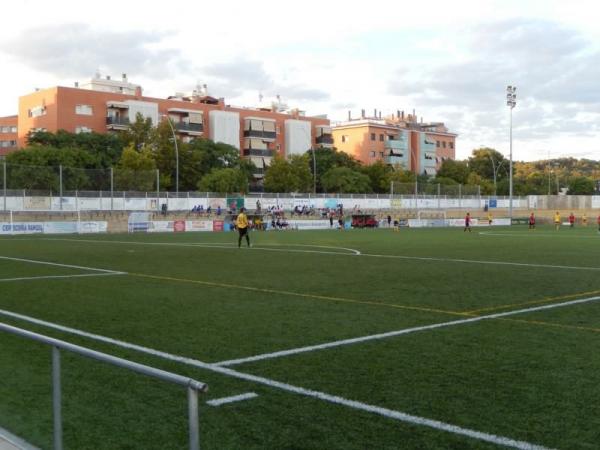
(224,180)
(345,180)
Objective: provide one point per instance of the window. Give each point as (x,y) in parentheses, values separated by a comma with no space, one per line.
(444,144)
(373,136)
(7,144)
(4,129)
(372,154)
(345,138)
(437,144)
(83,130)
(381,153)
(83,110)
(37,111)
(13,129)
(451,144)
(381,137)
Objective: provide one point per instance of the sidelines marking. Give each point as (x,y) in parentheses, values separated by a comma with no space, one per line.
(555,325)
(46,263)
(474,261)
(296,294)
(412,258)
(50,277)
(533,302)
(385,412)
(234,398)
(552,235)
(310,348)
(211,245)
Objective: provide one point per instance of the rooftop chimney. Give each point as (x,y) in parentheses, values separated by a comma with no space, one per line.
(375,113)
(138,91)
(124,77)
(349,115)
(77,84)
(108,77)
(362,113)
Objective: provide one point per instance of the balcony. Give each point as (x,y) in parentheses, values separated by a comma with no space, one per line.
(258,152)
(117,122)
(396,144)
(264,135)
(189,128)
(325,139)
(396,159)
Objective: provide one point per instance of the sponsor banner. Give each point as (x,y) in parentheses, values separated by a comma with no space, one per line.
(21,227)
(53,227)
(93,227)
(218,225)
(179,226)
(309,224)
(423,223)
(160,226)
(134,204)
(89,203)
(199,225)
(36,203)
(461,222)
(595,201)
(214,203)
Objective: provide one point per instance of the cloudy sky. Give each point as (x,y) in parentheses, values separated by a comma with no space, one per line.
(450,61)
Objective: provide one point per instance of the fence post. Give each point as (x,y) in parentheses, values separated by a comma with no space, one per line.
(112,186)
(4,183)
(193,418)
(61,185)
(460,196)
(157,189)
(56,399)
(439,195)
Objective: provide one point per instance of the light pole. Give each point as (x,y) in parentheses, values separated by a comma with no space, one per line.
(176,152)
(511,102)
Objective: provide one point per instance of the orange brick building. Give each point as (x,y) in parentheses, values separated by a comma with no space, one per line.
(398,139)
(8,134)
(105,105)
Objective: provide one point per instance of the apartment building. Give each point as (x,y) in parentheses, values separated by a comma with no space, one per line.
(105,105)
(8,134)
(398,139)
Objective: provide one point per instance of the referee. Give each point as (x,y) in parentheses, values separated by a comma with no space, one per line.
(242,225)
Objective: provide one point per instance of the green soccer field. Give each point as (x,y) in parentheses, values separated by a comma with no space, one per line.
(362,339)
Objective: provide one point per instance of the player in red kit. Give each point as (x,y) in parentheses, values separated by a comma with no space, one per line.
(468,222)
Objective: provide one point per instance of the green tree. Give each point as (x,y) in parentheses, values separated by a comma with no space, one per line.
(136,170)
(484,160)
(379,176)
(581,186)
(455,170)
(279,176)
(301,173)
(140,132)
(345,180)
(224,180)
(329,158)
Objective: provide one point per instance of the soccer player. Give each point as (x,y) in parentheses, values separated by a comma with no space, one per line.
(571,220)
(489,217)
(598,220)
(532,222)
(242,225)
(584,220)
(468,222)
(557,221)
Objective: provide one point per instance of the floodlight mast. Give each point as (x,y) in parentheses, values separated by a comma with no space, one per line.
(511,102)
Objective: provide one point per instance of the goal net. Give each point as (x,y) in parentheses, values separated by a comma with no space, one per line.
(426,214)
(139,221)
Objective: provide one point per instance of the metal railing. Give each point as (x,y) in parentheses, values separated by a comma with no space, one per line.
(193,386)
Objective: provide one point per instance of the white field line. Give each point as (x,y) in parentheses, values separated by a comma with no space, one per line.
(311,348)
(385,412)
(475,261)
(234,398)
(70,266)
(353,252)
(536,234)
(51,277)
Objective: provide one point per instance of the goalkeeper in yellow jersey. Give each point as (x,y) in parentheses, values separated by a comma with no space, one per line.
(241,223)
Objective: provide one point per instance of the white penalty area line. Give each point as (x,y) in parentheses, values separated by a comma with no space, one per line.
(347,251)
(53,277)
(385,412)
(232,399)
(69,266)
(550,234)
(390,334)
